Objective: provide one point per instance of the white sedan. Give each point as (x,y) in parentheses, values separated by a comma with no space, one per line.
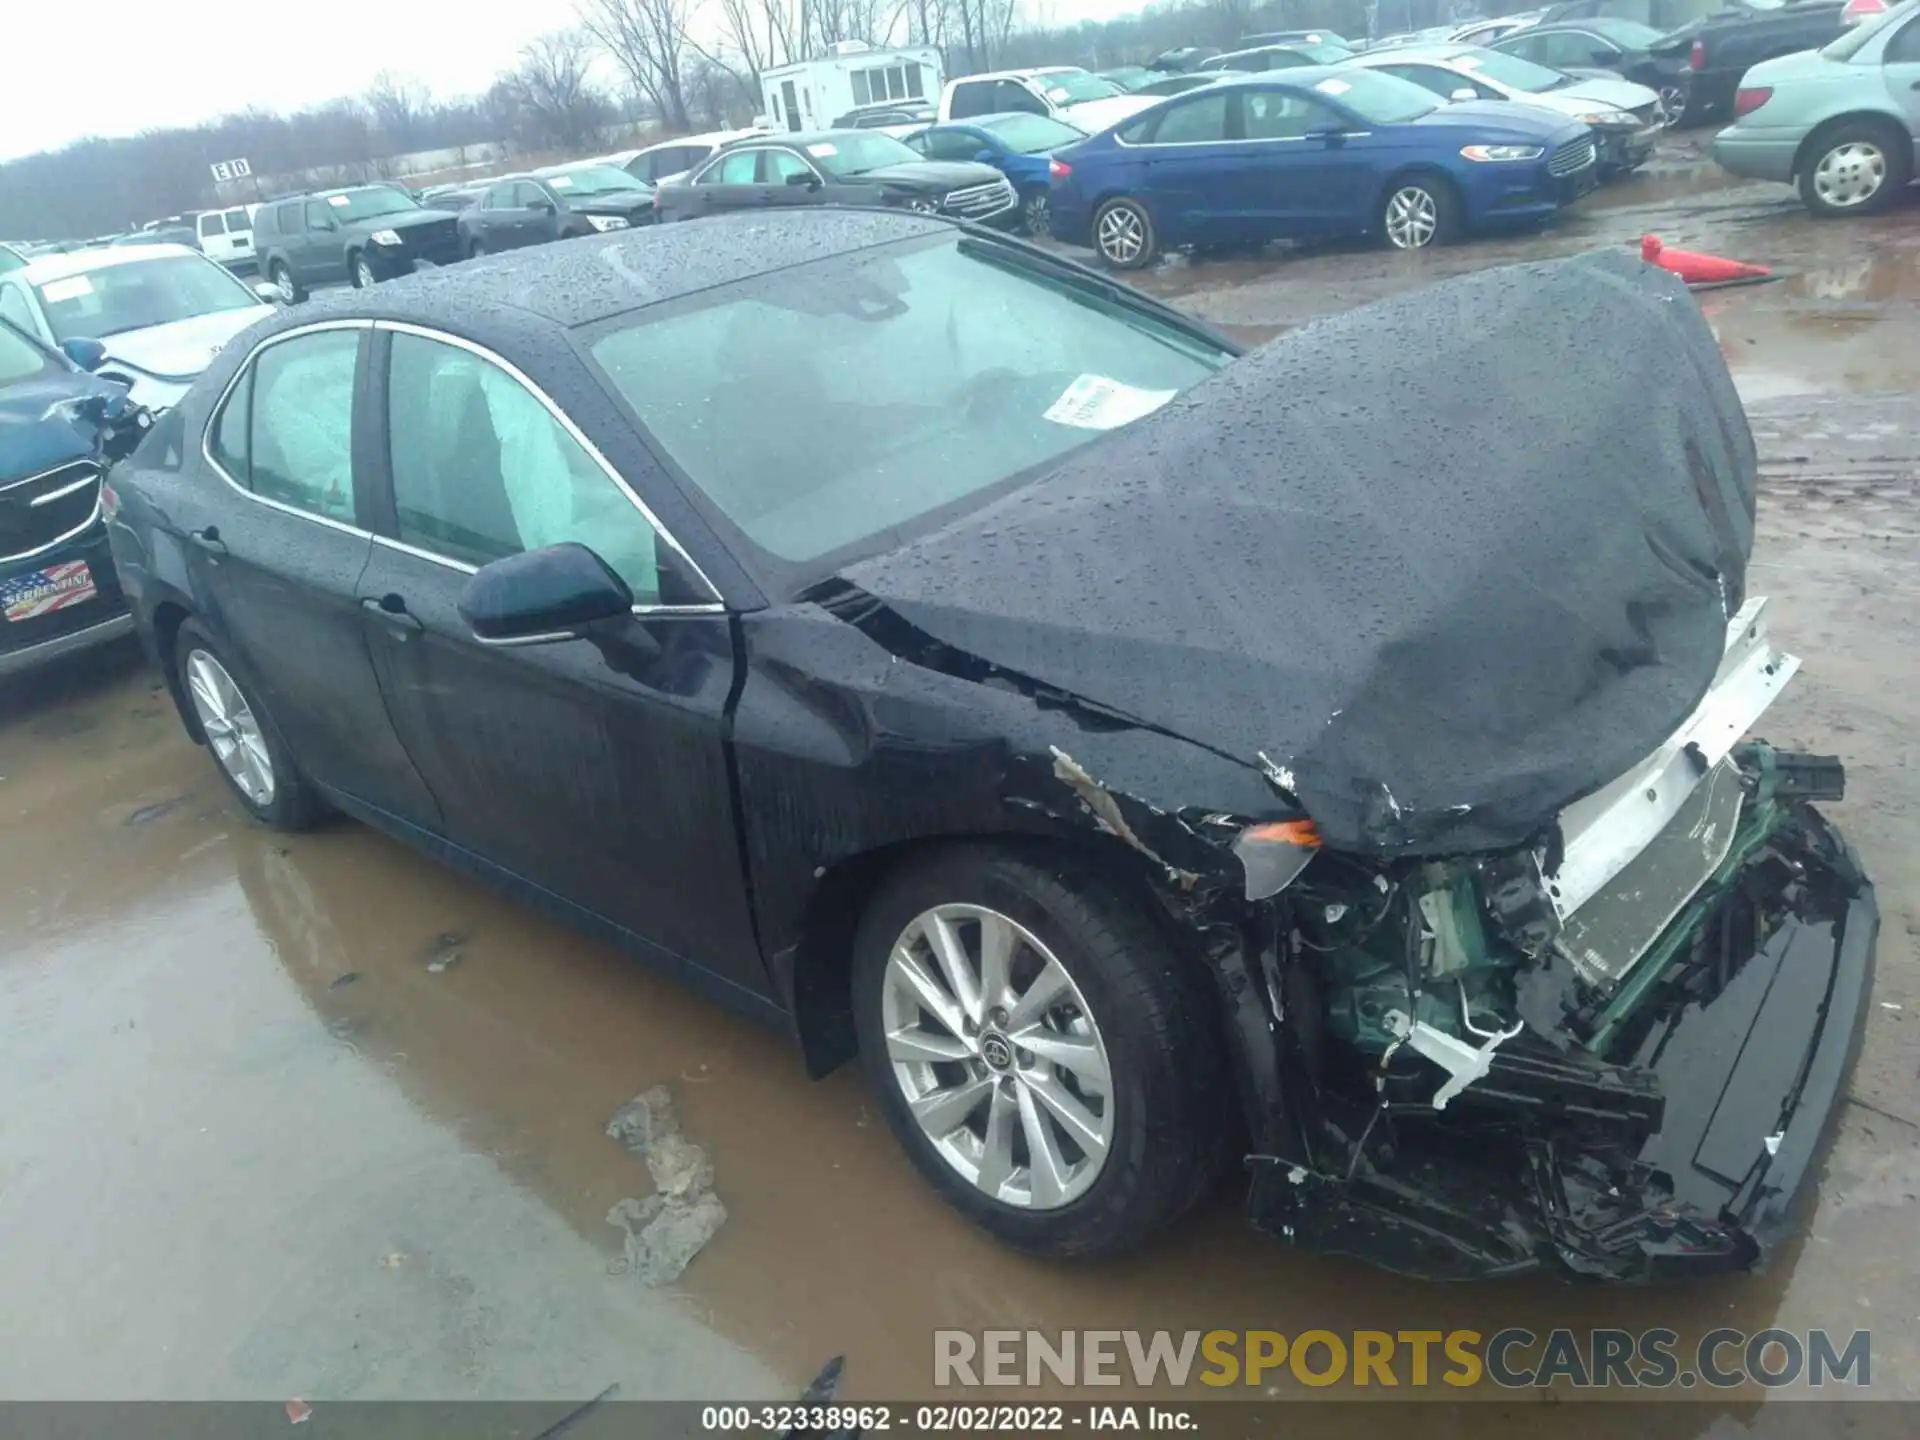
(152,316)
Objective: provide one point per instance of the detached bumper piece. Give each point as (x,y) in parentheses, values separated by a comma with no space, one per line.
(1679,1149)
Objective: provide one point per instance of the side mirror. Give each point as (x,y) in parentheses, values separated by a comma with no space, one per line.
(808,180)
(268,291)
(985,157)
(547,207)
(545,594)
(1464,93)
(87,353)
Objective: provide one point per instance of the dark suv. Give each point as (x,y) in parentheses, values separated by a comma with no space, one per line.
(362,236)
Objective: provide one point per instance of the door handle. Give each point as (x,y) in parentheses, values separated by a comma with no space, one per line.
(392,612)
(209,540)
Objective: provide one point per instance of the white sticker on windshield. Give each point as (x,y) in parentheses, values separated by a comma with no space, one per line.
(822,150)
(341,200)
(1057,94)
(560,182)
(1093,402)
(71,288)
(1468,62)
(1333,87)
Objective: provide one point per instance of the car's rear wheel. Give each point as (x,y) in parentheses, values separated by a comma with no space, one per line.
(1123,234)
(1673,103)
(476,248)
(253,760)
(1040,1051)
(1033,212)
(1857,167)
(284,282)
(1419,212)
(362,272)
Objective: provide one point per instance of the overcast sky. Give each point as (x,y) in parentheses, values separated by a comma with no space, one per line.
(116,67)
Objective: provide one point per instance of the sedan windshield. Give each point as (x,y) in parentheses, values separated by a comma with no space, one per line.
(859,151)
(139,295)
(366,204)
(1070,87)
(1032,134)
(1377,98)
(586,180)
(1510,72)
(917,375)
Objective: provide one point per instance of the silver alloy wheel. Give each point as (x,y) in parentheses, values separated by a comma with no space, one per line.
(1849,175)
(998,1056)
(230,727)
(1122,235)
(1673,104)
(283,281)
(362,273)
(1412,217)
(1034,213)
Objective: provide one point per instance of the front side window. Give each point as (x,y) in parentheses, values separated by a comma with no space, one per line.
(300,443)
(1032,134)
(239,222)
(1281,115)
(482,470)
(736,168)
(140,294)
(972,99)
(783,164)
(952,145)
(318,217)
(920,374)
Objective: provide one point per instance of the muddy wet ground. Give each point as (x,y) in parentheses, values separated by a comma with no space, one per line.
(253,1141)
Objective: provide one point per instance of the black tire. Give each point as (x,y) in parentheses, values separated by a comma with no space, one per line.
(1870,137)
(1440,211)
(290,289)
(1126,218)
(1171,1100)
(1033,212)
(476,248)
(293,804)
(360,271)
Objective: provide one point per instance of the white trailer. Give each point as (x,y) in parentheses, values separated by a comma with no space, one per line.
(812,94)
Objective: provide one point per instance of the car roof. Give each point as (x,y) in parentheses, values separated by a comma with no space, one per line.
(803,137)
(569,166)
(1437,53)
(711,137)
(81,262)
(589,280)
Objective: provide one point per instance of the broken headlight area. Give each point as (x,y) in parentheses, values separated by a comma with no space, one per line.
(1477,1083)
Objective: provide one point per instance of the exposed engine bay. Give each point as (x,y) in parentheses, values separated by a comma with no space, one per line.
(1543,1054)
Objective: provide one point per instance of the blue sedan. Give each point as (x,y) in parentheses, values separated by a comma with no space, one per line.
(1018,144)
(1309,154)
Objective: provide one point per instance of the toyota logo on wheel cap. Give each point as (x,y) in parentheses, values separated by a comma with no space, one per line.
(995,1050)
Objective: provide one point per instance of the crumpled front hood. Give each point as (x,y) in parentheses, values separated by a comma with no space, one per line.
(1440,565)
(180,351)
(1619,94)
(50,421)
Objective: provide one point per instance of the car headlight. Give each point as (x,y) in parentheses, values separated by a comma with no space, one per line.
(1606,117)
(606,222)
(1501,152)
(385,237)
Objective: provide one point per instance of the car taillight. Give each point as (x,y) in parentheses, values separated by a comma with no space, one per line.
(1857,10)
(109,502)
(1750,98)
(1059,169)
(1697,57)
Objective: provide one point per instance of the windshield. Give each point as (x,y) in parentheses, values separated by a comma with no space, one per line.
(1511,72)
(859,151)
(1070,87)
(591,180)
(21,359)
(366,204)
(1032,134)
(1848,45)
(1378,99)
(919,375)
(139,295)
(1322,54)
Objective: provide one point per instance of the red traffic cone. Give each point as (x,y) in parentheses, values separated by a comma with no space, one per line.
(1697,269)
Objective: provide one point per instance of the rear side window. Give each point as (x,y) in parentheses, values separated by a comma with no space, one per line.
(300,444)
(286,218)
(212,225)
(227,436)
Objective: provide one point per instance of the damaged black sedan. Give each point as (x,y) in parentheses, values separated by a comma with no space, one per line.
(1122,745)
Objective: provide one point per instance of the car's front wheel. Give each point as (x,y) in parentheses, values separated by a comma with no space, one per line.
(1033,212)
(362,273)
(284,282)
(1856,168)
(1123,233)
(253,759)
(476,248)
(1419,212)
(1673,104)
(1038,1048)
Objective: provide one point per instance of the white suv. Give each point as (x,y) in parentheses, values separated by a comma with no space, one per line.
(227,236)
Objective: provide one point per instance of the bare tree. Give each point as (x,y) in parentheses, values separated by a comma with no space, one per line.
(552,93)
(648,41)
(397,105)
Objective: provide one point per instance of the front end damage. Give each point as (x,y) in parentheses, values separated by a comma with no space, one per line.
(1612,1052)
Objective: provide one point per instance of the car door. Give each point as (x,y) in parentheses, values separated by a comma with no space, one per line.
(1309,162)
(1900,68)
(1198,181)
(789,178)
(281,561)
(211,232)
(316,252)
(593,768)
(730,181)
(547,215)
